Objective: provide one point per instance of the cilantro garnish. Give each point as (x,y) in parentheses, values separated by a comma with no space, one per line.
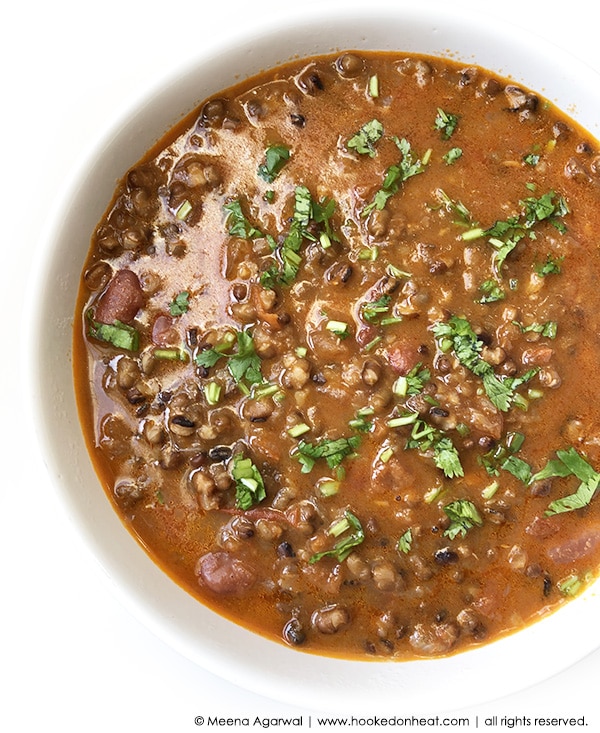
(505,235)
(458,335)
(243,364)
(180,304)
(495,458)
(306,210)
(446,123)
(344,546)
(463,515)
(404,543)
(531,159)
(413,383)
(276,156)
(249,485)
(372,310)
(454,207)
(238,224)
(548,329)
(519,468)
(363,142)
(491,292)
(332,451)
(425,437)
(552,266)
(396,175)
(208,358)
(452,156)
(570,463)
(446,458)
(117,333)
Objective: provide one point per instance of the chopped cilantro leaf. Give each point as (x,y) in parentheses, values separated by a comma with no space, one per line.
(306,210)
(425,437)
(372,310)
(446,123)
(458,334)
(452,156)
(519,468)
(531,159)
(416,379)
(404,544)
(237,223)
(276,156)
(578,500)
(363,142)
(395,175)
(548,329)
(243,364)
(463,515)
(208,358)
(332,451)
(180,304)
(118,334)
(445,457)
(570,463)
(552,266)
(345,545)
(498,456)
(491,292)
(506,234)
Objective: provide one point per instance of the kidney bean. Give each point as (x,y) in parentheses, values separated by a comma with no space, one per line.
(121,300)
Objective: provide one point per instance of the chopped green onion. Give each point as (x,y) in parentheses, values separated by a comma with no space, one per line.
(183,211)
(490,490)
(570,585)
(400,387)
(374,86)
(266,390)
(212,392)
(325,240)
(369,253)
(432,494)
(386,454)
(297,430)
(171,354)
(396,271)
(471,234)
(398,422)
(339,328)
(329,487)
(372,344)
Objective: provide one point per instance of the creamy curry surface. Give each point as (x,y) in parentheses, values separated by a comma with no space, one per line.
(337,349)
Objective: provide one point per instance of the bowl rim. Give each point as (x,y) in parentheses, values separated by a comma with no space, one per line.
(227,650)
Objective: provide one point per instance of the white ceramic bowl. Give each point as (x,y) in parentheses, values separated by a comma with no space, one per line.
(222,647)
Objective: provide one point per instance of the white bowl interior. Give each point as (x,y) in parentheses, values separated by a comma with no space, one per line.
(198,633)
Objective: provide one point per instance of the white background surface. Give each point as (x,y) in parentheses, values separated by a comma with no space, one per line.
(72,659)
